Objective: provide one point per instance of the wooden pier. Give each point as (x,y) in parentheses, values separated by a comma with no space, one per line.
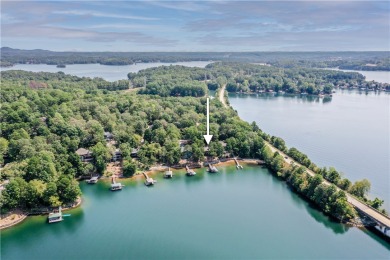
(148,181)
(212,168)
(238,165)
(189,172)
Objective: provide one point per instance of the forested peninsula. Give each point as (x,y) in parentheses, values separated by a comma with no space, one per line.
(371,60)
(47,117)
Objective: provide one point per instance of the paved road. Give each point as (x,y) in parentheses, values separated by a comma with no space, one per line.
(221,96)
(385,220)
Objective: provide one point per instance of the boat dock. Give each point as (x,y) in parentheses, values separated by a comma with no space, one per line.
(55,216)
(238,165)
(93,180)
(168,174)
(212,169)
(148,181)
(189,172)
(115,185)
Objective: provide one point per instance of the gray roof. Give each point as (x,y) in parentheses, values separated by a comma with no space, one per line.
(83,151)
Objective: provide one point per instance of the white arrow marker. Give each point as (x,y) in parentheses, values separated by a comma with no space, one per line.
(208,136)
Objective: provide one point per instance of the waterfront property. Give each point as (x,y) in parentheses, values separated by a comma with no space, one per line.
(243,202)
(85,155)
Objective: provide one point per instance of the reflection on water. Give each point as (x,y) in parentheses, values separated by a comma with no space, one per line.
(223,215)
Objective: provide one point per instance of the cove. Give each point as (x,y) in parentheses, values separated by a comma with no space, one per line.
(232,214)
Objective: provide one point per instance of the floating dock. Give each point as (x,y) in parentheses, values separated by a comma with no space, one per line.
(116,185)
(55,216)
(148,181)
(168,174)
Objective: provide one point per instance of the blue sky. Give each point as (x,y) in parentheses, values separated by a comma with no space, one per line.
(196,26)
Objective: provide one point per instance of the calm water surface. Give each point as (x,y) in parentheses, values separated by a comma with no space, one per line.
(349,132)
(230,215)
(110,73)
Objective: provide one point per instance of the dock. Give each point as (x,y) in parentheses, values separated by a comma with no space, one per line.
(55,216)
(93,180)
(115,185)
(212,169)
(148,181)
(238,165)
(168,174)
(189,172)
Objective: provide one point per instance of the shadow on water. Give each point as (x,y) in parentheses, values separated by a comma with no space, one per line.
(274,96)
(313,210)
(26,233)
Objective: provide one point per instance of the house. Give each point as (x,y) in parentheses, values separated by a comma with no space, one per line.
(116,156)
(108,136)
(185,153)
(85,155)
(134,153)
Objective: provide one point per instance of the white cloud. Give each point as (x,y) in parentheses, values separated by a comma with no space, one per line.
(107,15)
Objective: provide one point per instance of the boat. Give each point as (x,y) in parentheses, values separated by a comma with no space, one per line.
(61,66)
(93,180)
(168,174)
(55,216)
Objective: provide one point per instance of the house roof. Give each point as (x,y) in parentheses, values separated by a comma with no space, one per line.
(55,215)
(83,151)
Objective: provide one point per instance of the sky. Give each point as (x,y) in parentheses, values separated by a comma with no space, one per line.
(196,26)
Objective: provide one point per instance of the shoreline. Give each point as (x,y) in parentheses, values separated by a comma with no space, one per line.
(17,216)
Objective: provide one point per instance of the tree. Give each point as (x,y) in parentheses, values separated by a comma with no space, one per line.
(344,184)
(68,189)
(35,192)
(360,188)
(101,155)
(50,192)
(41,167)
(197,152)
(171,152)
(3,149)
(14,194)
(129,168)
(216,149)
(376,203)
(94,133)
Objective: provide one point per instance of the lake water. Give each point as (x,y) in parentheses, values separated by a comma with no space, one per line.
(350,132)
(246,214)
(379,76)
(110,73)
(233,214)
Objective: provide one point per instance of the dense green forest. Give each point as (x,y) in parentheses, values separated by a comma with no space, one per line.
(344,60)
(238,77)
(46,117)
